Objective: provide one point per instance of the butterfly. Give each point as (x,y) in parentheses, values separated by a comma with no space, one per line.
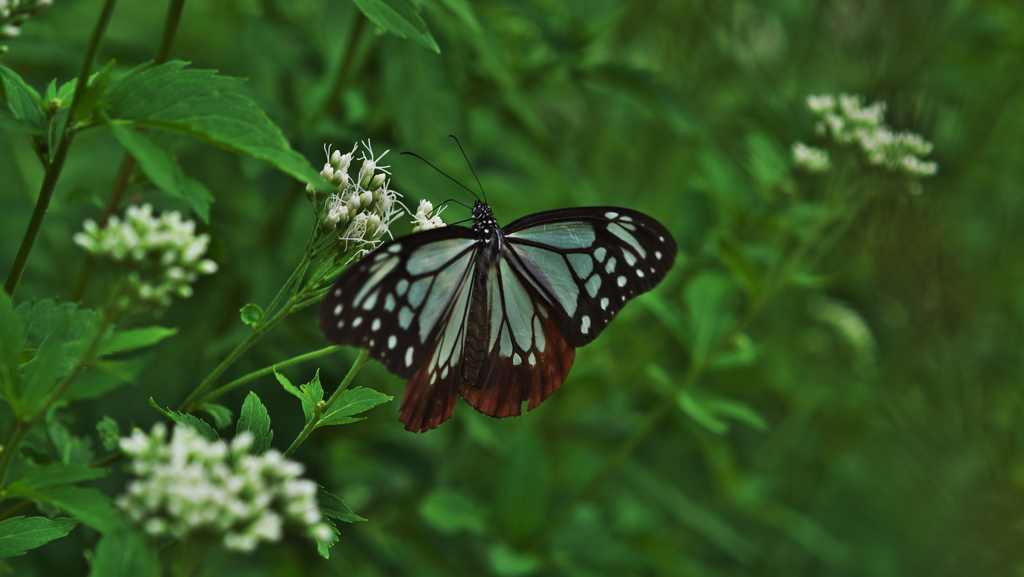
(494,314)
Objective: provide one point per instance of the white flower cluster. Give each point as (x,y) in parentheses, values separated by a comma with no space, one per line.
(363,207)
(811,158)
(163,254)
(848,121)
(422,219)
(13,13)
(191,486)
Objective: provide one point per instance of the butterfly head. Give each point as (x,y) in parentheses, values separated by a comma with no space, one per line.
(483,218)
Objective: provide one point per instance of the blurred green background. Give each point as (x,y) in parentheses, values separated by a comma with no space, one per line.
(873,405)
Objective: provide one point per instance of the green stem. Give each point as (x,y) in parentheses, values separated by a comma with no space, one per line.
(53,170)
(330,105)
(266,371)
(170,30)
(364,356)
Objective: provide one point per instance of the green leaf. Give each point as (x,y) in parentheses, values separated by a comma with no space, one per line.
(221,415)
(71,449)
(464,11)
(209,107)
(110,433)
(324,547)
(711,412)
(124,553)
(710,300)
(698,412)
(43,371)
(19,534)
(23,102)
(198,426)
(451,511)
(11,341)
(106,375)
(400,18)
(507,561)
(133,339)
(56,475)
(94,90)
(160,165)
(251,314)
(332,506)
(255,419)
(352,402)
(53,484)
(307,402)
(731,253)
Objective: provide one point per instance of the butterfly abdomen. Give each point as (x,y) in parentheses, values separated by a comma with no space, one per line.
(477,326)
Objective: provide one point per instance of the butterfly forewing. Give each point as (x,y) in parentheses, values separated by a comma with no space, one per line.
(588,262)
(396,300)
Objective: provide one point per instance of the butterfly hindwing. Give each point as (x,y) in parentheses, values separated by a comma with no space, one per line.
(588,262)
(526,355)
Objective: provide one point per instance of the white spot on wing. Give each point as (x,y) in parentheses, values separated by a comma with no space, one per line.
(337,292)
(610,267)
(401,287)
(657,254)
(337,310)
(593,285)
(444,373)
(357,322)
(611,215)
(585,325)
(405,317)
(419,291)
(341,323)
(389,302)
(630,259)
(604,303)
(581,263)
(370,301)
(395,248)
(375,325)
(517,360)
(624,234)
(408,357)
(532,359)
(621,281)
(392,341)
(626,218)
(600,253)
(639,273)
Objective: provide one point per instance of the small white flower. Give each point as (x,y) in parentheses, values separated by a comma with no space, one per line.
(191,485)
(810,158)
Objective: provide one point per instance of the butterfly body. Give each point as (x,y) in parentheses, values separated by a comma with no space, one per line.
(494,314)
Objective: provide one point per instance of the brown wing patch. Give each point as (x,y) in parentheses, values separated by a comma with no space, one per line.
(503,385)
(426,405)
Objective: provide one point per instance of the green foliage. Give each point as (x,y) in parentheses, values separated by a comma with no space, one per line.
(19,534)
(827,383)
(255,419)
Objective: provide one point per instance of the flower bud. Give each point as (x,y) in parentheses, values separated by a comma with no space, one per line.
(336,159)
(366,198)
(353,205)
(310,192)
(366,172)
(327,172)
(378,181)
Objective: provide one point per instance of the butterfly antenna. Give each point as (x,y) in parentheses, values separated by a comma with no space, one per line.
(456,202)
(444,173)
(470,167)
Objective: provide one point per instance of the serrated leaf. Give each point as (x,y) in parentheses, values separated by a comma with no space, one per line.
(124,553)
(255,419)
(95,87)
(400,18)
(43,371)
(198,426)
(352,402)
(53,484)
(307,402)
(206,106)
(332,506)
(160,165)
(133,339)
(22,100)
(324,547)
(56,475)
(11,340)
(19,534)
(251,314)
(221,415)
(110,433)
